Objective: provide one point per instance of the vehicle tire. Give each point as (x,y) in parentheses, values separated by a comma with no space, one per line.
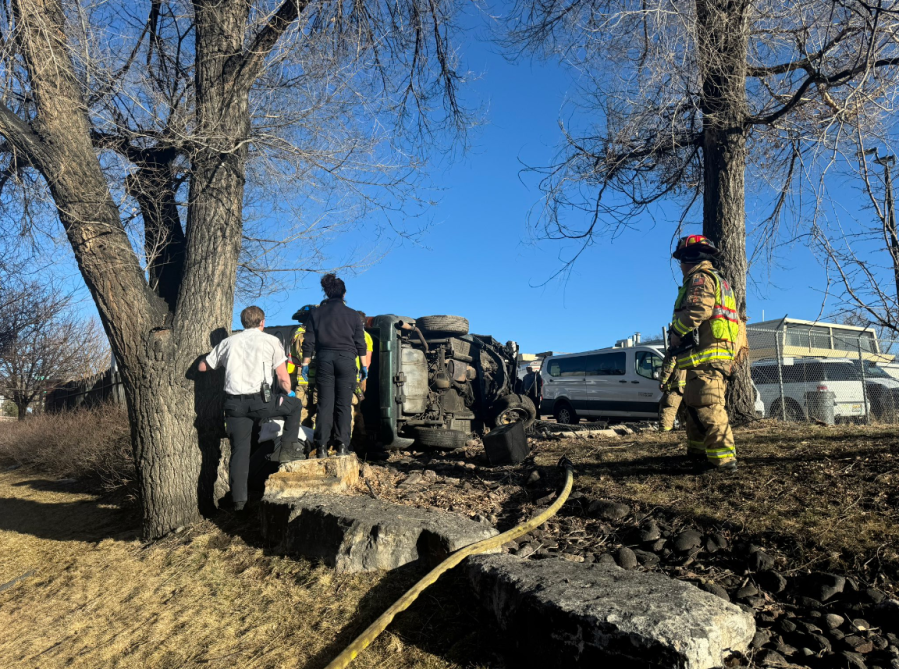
(514,409)
(794,412)
(454,325)
(444,440)
(565,414)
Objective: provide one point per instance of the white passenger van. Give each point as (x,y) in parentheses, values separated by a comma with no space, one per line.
(608,383)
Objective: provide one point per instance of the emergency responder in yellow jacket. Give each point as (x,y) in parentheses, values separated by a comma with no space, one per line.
(672,381)
(301,386)
(705,310)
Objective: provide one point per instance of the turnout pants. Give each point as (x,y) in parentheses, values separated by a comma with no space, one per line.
(708,428)
(668,408)
(240,413)
(335,379)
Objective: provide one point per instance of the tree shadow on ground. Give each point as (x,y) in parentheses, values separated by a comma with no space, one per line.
(447,620)
(91,520)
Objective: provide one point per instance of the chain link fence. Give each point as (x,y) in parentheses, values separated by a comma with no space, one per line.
(824,373)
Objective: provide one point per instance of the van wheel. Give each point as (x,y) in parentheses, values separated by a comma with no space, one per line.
(514,409)
(456,325)
(444,440)
(564,413)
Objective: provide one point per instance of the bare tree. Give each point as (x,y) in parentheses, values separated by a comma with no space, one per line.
(863,256)
(684,96)
(157,128)
(50,345)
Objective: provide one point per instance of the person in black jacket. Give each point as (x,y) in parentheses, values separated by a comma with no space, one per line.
(335,335)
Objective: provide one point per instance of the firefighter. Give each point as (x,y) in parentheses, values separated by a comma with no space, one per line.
(302,387)
(705,311)
(672,381)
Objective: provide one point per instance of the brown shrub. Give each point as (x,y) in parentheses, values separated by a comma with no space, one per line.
(89,443)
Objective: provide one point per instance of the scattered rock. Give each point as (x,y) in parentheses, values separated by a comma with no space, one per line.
(715,589)
(849,660)
(527,550)
(760,639)
(772,581)
(746,591)
(650,533)
(626,558)
(687,540)
(608,510)
(658,545)
(832,620)
(760,561)
(860,625)
(819,643)
(533,477)
(647,558)
(823,586)
(786,626)
(874,596)
(858,644)
(770,658)
(607,560)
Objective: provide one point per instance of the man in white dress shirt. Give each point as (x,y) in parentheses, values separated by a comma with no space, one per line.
(250,359)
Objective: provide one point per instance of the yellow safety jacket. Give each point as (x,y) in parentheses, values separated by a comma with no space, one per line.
(706,302)
(294,362)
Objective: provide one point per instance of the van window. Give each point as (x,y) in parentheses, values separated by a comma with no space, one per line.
(566,367)
(844,371)
(607,364)
(648,364)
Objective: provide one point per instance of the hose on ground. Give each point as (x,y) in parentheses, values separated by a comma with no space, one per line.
(374,630)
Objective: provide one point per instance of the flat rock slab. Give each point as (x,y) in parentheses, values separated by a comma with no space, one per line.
(564,614)
(301,477)
(353,533)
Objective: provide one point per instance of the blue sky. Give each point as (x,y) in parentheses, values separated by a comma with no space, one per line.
(482,262)
(480,259)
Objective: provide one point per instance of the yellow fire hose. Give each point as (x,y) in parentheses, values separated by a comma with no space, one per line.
(371,633)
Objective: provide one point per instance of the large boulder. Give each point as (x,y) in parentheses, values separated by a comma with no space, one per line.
(301,477)
(354,533)
(563,614)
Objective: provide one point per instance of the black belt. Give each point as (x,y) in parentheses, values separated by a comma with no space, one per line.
(249,396)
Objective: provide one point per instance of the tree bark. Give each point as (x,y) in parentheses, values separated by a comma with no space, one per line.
(722,42)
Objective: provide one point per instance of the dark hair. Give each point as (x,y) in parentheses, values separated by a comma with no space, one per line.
(362,316)
(251,317)
(333,287)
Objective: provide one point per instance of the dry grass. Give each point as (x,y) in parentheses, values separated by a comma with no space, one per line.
(208,597)
(825,497)
(92,443)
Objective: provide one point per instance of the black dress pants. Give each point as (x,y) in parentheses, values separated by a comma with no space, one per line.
(335,378)
(240,413)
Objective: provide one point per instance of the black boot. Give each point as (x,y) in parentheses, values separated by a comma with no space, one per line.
(341,448)
(291,452)
(322,451)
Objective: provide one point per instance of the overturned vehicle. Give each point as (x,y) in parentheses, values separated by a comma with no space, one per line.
(432,384)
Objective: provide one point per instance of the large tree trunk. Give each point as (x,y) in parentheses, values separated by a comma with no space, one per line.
(722,40)
(175,421)
(157,330)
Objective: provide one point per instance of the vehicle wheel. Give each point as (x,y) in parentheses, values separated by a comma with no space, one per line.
(514,409)
(444,440)
(794,413)
(564,413)
(456,325)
